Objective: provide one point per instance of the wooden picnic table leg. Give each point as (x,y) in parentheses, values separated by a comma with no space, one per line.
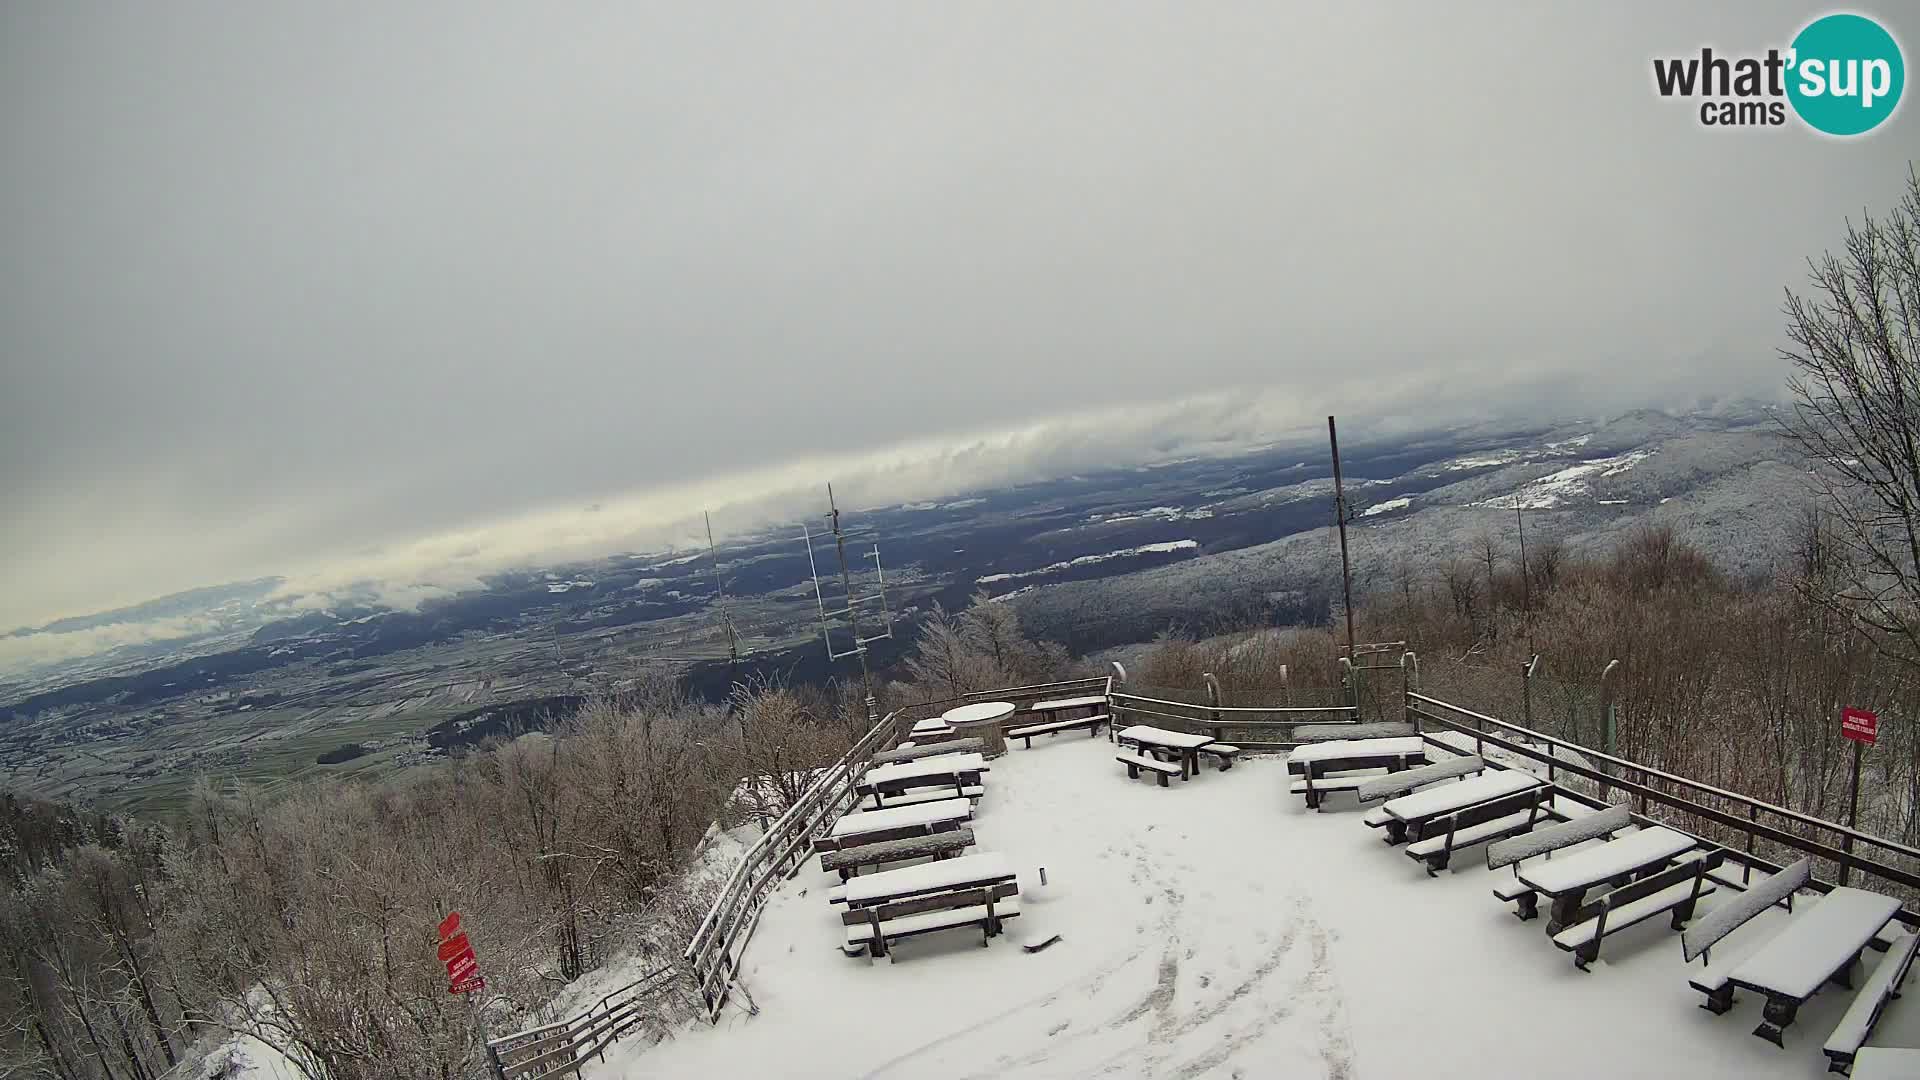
(1776,1016)
(1565,907)
(1843,976)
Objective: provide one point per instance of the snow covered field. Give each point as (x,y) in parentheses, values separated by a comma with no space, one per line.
(1215,928)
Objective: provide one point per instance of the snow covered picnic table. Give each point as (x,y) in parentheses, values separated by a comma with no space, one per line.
(1405,815)
(1181,742)
(964,872)
(1352,748)
(1817,945)
(871,826)
(1566,880)
(961,772)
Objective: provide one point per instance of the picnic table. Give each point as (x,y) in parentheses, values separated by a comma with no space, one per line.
(1416,809)
(1566,880)
(1385,750)
(1178,742)
(961,772)
(965,872)
(872,826)
(980,720)
(1821,944)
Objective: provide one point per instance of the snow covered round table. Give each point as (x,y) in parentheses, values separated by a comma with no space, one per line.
(981,719)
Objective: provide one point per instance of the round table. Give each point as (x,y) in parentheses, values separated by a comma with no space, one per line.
(981,720)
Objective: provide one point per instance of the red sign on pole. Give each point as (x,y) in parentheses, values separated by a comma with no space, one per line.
(1859,725)
(463,968)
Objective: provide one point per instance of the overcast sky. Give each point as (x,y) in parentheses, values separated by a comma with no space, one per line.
(383,289)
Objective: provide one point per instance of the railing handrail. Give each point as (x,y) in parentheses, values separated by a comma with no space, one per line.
(1648,770)
(1233,708)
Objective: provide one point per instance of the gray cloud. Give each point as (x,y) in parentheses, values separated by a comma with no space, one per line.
(392,291)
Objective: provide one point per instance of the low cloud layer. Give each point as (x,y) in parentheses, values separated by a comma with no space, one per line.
(355,293)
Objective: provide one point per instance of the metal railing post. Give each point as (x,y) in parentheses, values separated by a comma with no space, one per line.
(1746,872)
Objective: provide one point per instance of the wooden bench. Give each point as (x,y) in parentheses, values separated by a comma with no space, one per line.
(873,929)
(1493,820)
(1093,724)
(1322,775)
(1161,769)
(1222,751)
(1399,783)
(914,751)
(1737,911)
(940,845)
(1871,1000)
(1511,851)
(1677,889)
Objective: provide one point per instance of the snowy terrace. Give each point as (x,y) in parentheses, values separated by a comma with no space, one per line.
(1217,928)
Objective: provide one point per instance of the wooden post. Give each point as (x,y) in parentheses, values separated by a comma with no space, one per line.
(1853,814)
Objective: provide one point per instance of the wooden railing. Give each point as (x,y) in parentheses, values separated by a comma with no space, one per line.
(1251,727)
(1718,815)
(563,1047)
(714,953)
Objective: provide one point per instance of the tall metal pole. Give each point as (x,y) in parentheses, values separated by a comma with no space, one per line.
(853,616)
(1340,515)
(1526,587)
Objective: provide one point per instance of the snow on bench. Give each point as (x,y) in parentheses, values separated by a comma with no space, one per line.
(933,765)
(1608,861)
(1161,769)
(1677,889)
(1552,838)
(1446,797)
(1402,782)
(1476,824)
(1864,1013)
(1091,723)
(1357,748)
(1224,751)
(847,860)
(877,926)
(1319,733)
(923,817)
(1376,818)
(935,794)
(1062,704)
(1737,911)
(910,751)
(966,870)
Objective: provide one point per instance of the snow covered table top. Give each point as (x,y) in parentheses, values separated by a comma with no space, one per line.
(1340,748)
(931,813)
(1444,797)
(1885,1063)
(986,866)
(1147,733)
(938,765)
(1068,703)
(1609,860)
(1816,943)
(980,712)
(931,723)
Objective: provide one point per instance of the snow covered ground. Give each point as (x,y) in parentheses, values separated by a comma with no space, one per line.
(1217,929)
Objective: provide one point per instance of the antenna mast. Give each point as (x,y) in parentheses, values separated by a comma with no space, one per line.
(1340,515)
(851,609)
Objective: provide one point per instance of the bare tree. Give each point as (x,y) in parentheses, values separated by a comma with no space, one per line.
(1855,349)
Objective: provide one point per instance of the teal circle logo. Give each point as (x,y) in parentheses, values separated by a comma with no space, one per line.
(1846,76)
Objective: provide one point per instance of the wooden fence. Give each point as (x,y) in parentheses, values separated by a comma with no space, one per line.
(1250,727)
(564,1046)
(1724,817)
